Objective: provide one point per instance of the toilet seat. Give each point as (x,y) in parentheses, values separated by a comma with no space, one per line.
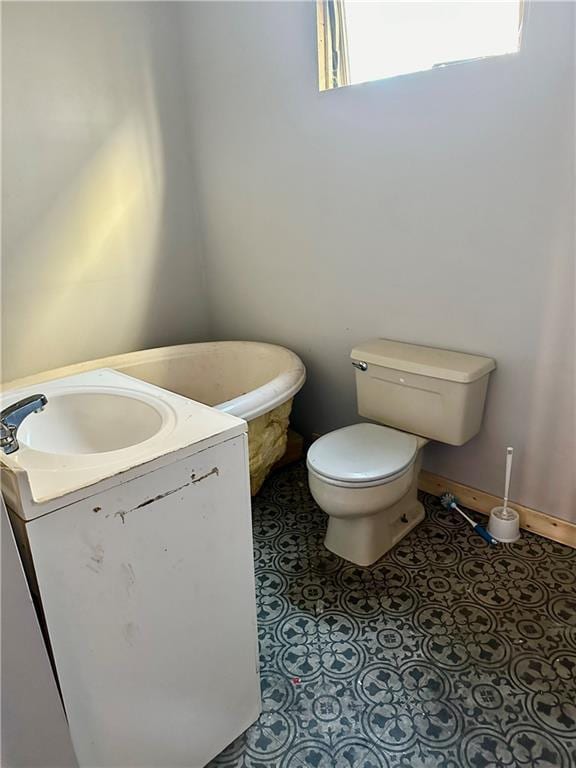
(362,455)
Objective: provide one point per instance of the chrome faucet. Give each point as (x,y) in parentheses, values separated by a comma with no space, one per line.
(12,416)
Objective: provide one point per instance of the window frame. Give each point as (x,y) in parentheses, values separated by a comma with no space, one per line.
(332,43)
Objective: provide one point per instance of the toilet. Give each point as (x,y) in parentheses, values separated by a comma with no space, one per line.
(365,476)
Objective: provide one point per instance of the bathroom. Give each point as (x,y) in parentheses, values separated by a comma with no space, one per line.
(175,177)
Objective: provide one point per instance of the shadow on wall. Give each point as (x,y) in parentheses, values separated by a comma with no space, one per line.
(100,229)
(177,297)
(98,253)
(551,434)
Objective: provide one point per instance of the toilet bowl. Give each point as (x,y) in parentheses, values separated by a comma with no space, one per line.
(364,478)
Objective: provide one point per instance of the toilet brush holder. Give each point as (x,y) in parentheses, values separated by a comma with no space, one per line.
(504,524)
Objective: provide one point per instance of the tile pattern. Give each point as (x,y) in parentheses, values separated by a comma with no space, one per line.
(445,653)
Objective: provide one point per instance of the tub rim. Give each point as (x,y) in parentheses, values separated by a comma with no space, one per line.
(247,406)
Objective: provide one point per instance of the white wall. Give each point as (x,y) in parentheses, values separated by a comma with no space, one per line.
(434,208)
(101,252)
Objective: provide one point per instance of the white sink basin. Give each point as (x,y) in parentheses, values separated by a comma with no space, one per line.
(95,426)
(90,421)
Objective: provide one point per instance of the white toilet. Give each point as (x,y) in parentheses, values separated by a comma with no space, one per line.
(365,477)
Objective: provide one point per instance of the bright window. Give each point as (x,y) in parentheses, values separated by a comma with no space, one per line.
(363,40)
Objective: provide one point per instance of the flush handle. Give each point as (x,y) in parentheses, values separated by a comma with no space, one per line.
(360,365)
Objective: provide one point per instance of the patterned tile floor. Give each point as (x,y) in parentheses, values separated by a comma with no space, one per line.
(445,653)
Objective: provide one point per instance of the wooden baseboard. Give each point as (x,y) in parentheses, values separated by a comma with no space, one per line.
(532,520)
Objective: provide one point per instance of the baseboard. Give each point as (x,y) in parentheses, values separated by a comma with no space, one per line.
(532,520)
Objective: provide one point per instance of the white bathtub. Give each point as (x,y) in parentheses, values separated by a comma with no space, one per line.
(254,381)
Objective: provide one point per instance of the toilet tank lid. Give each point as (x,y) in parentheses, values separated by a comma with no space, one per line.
(424,361)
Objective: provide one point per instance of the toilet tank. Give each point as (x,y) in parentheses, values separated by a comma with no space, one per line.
(426,391)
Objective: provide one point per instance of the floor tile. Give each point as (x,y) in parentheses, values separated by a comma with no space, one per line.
(447,652)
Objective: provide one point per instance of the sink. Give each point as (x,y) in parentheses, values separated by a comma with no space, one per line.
(91,421)
(95,426)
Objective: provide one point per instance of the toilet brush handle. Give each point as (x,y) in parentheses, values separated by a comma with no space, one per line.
(509,457)
(485,534)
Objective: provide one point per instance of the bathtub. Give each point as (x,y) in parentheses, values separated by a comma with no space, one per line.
(254,381)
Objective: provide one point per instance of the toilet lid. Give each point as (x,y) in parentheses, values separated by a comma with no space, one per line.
(362,453)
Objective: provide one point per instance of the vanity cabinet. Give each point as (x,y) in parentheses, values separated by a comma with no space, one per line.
(146,586)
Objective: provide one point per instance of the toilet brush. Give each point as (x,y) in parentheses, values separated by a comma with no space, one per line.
(448,501)
(504,523)
(506,513)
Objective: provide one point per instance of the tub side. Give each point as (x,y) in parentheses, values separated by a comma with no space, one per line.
(245,379)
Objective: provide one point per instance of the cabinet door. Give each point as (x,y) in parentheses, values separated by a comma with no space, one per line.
(34,729)
(148,591)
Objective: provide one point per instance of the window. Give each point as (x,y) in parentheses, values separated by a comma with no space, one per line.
(363,40)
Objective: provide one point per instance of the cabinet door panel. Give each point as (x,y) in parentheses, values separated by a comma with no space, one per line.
(148,591)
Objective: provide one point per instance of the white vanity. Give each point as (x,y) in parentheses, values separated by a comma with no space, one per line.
(131,507)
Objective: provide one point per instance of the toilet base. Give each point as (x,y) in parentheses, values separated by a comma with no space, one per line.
(363,540)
